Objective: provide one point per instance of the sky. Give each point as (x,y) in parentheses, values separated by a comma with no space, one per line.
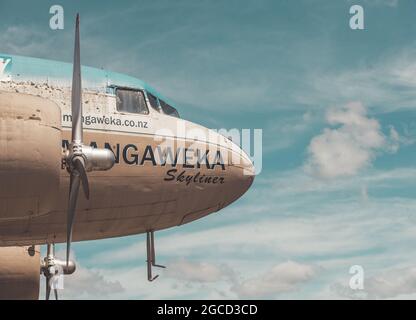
(338,112)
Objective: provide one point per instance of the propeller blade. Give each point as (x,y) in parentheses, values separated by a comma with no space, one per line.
(72,204)
(48,289)
(80,167)
(76,99)
(56,294)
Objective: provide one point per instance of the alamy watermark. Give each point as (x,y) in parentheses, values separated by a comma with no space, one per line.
(57,21)
(357,278)
(236,147)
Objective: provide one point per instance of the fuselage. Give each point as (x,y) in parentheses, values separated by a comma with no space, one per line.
(168,171)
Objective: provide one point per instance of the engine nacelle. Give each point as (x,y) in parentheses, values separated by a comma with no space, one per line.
(19,273)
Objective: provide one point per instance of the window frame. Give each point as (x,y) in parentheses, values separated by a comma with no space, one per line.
(135,90)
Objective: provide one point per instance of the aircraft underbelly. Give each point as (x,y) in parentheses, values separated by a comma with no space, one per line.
(121,211)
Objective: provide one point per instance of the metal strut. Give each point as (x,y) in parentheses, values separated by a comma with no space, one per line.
(151,256)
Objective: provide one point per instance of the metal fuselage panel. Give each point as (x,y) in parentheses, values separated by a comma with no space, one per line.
(19,273)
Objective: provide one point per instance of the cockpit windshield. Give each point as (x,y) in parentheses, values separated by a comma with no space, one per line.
(169,110)
(153,101)
(162,106)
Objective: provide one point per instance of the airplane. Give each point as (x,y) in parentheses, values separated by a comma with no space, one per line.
(108,157)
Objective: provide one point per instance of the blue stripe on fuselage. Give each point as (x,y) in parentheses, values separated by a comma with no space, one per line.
(60,73)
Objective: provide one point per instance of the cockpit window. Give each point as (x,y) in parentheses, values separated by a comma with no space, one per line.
(169,110)
(132,101)
(153,101)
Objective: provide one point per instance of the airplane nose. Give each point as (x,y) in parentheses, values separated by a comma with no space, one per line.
(241,174)
(248,173)
(247,166)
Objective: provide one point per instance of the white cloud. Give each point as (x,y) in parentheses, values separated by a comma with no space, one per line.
(284,277)
(183,279)
(185,270)
(297,183)
(387,82)
(345,150)
(23,40)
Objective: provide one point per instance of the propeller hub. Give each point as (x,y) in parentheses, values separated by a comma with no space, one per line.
(93,159)
(51,266)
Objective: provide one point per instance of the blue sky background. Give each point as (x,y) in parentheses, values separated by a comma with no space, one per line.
(338,113)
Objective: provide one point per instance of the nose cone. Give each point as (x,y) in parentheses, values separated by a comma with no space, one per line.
(248,172)
(241,176)
(247,166)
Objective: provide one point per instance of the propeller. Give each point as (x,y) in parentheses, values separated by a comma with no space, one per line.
(80,158)
(53,268)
